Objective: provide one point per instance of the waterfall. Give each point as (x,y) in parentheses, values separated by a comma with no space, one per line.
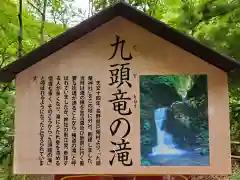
(165,143)
(160,117)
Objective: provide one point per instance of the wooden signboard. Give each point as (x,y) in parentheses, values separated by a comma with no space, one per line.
(117,105)
(119,94)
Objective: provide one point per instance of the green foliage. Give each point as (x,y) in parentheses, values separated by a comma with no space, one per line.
(9,28)
(181,83)
(234,101)
(9,31)
(6,129)
(64,12)
(236,172)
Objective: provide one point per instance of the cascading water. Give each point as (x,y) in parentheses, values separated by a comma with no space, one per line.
(165,145)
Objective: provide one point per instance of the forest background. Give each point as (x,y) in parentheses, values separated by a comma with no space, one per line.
(26,24)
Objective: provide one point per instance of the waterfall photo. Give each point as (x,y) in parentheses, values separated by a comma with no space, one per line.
(174,120)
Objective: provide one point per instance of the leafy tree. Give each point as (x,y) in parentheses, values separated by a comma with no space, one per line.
(20,34)
(63,12)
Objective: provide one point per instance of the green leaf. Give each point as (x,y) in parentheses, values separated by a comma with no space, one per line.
(2,104)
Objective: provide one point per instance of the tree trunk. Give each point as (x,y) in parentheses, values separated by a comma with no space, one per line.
(89,8)
(43,21)
(20,30)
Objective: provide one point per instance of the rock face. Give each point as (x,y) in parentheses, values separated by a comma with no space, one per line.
(164,95)
(178,116)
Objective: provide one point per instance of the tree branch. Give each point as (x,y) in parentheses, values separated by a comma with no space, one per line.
(235,157)
(36,8)
(235,142)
